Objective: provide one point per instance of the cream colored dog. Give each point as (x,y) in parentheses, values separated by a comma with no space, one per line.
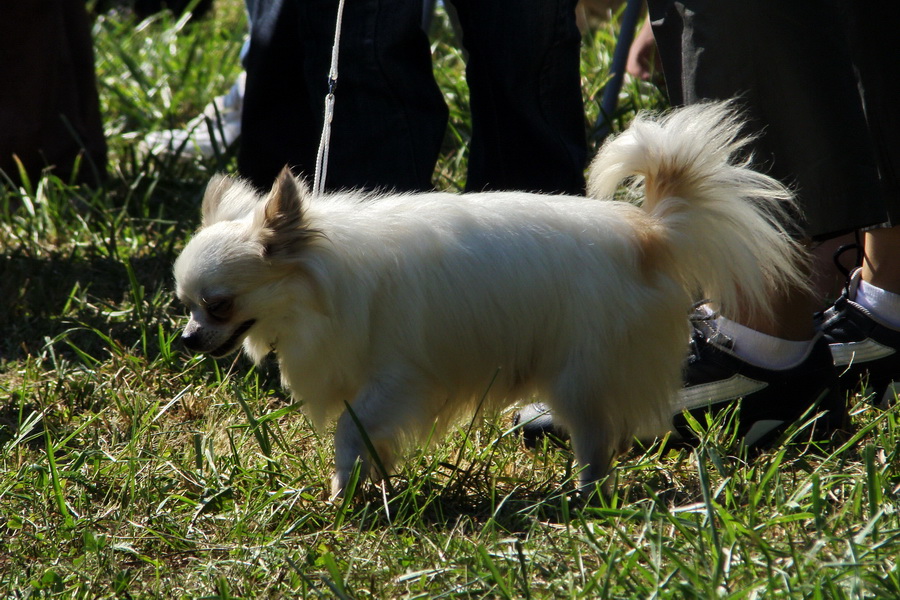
(411,308)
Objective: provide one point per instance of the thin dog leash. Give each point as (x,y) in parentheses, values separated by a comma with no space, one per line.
(325,140)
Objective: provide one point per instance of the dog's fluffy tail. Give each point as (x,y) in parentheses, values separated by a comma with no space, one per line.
(724,222)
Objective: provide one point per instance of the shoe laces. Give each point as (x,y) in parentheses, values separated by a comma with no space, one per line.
(704,331)
(837,310)
(836,258)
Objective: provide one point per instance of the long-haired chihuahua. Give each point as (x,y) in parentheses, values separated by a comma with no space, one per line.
(415,309)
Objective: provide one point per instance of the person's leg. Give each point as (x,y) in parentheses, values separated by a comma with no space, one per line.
(277,127)
(789,64)
(49,106)
(82,122)
(881,262)
(792,310)
(878,65)
(389,117)
(528,128)
(863,326)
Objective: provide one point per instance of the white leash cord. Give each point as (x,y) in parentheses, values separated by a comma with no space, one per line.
(325,141)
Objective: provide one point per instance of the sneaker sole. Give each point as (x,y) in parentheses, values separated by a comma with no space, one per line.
(888,397)
(883,392)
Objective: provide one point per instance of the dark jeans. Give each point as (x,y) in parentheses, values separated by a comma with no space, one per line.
(49,105)
(390,118)
(800,68)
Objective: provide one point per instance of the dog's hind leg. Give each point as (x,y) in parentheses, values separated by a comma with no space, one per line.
(578,406)
(595,451)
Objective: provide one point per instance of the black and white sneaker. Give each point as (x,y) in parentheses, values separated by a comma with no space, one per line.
(866,351)
(772,399)
(715,378)
(536,422)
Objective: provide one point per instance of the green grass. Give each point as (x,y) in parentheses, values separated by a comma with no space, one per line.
(128,469)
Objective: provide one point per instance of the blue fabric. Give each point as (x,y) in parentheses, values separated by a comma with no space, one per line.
(390,118)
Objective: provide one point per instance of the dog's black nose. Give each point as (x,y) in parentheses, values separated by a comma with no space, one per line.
(191,341)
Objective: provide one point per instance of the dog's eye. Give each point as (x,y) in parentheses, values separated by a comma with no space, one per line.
(219,309)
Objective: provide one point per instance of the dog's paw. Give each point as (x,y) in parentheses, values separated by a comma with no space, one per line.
(338,486)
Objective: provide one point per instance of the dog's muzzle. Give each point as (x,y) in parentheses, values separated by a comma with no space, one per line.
(194,340)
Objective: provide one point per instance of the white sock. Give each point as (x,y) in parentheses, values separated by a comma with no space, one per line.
(764,350)
(881,303)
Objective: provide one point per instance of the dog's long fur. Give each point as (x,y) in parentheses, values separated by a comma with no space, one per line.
(413,307)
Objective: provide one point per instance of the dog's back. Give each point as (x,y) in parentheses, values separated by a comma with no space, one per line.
(486,293)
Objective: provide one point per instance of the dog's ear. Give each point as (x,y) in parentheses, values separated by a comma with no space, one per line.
(227,199)
(285,228)
(212,198)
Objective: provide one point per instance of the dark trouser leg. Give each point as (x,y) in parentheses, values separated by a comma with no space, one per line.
(389,118)
(878,65)
(528,129)
(49,106)
(790,64)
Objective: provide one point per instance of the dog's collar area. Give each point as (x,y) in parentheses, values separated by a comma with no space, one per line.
(231,342)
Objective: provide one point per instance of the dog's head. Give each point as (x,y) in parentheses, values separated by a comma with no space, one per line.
(230,273)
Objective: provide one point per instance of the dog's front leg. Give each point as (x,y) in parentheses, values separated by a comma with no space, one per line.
(363,425)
